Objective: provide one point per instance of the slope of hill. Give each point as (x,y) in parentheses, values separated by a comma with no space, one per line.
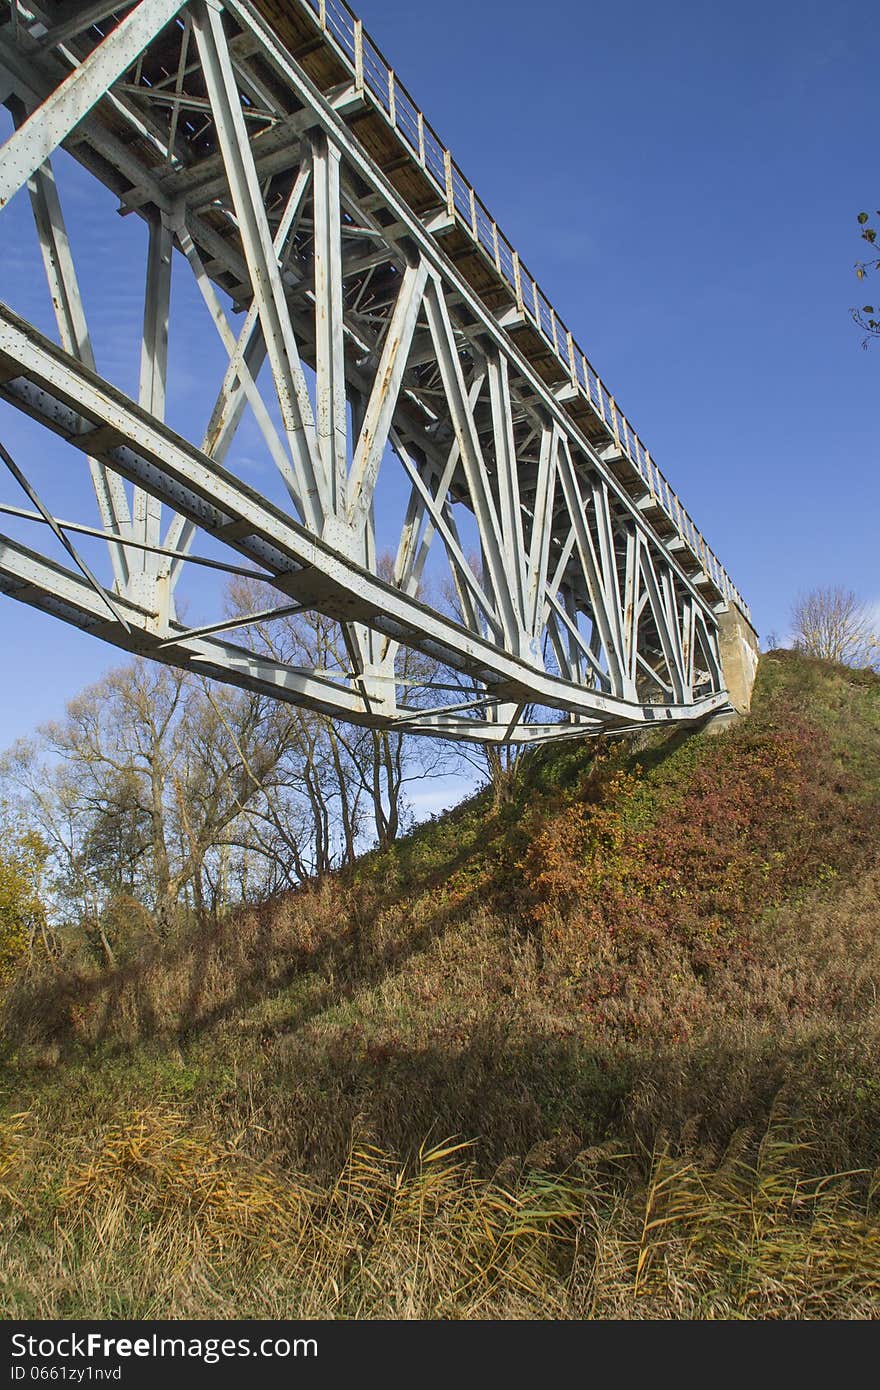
(606,1043)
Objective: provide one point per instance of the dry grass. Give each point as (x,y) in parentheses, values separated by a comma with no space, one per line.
(746,1238)
(159,1220)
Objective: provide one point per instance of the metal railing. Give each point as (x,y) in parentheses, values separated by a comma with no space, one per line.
(373,74)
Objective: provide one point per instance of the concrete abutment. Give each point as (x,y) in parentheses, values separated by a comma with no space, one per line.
(739,646)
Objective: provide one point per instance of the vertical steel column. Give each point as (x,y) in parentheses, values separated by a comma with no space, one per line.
(262,262)
(146,509)
(74,335)
(329,335)
(542,528)
(507,479)
(372,437)
(472,461)
(592,571)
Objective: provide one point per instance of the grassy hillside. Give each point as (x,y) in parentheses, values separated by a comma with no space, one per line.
(607,1045)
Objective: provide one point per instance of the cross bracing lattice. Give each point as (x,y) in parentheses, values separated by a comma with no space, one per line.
(410,386)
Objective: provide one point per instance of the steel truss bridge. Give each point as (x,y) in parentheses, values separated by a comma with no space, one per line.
(374,321)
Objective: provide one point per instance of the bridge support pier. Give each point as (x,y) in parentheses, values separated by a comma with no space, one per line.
(739,644)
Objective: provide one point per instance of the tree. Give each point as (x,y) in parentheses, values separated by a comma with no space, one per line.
(499,763)
(160,795)
(144,791)
(350,782)
(832,624)
(22,914)
(868,317)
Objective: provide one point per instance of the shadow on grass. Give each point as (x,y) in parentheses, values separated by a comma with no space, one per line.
(543,1100)
(119,1009)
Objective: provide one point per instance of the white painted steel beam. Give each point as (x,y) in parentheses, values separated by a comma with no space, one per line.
(73,18)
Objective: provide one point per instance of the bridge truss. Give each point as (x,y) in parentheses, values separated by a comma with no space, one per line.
(380,333)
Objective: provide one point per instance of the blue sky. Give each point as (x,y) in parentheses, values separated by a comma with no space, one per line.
(683,180)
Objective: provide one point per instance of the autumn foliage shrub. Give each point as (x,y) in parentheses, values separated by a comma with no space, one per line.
(640,872)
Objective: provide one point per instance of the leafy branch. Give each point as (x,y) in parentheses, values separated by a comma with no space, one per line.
(868,317)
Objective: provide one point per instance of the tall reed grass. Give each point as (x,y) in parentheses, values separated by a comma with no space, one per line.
(156,1218)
